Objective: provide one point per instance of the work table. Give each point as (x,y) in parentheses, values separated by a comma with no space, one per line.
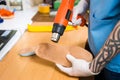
(15,67)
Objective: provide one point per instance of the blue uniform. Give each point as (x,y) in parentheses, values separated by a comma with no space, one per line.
(104,14)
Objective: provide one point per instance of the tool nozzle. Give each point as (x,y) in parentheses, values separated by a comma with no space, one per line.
(55,37)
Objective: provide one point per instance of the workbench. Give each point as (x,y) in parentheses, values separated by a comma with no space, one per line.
(15,67)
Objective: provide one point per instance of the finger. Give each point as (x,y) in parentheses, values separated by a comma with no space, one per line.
(64,69)
(70,23)
(70,58)
(75,12)
(74,20)
(77,22)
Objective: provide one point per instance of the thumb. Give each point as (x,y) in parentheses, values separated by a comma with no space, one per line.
(64,69)
(70,58)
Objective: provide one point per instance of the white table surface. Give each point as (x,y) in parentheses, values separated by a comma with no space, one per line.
(19,23)
(20,20)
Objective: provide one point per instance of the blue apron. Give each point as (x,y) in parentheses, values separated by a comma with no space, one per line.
(104,14)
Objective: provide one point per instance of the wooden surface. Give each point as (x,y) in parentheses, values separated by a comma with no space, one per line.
(15,67)
(39,17)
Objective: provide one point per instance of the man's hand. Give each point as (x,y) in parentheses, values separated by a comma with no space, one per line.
(80,68)
(81,9)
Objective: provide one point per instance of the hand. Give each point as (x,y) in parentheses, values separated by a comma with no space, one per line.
(80,67)
(81,9)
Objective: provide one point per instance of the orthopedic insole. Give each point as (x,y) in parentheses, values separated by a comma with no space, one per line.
(57,53)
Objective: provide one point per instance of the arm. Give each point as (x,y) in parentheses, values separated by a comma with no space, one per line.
(108,51)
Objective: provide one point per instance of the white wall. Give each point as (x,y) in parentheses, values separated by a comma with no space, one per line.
(30,3)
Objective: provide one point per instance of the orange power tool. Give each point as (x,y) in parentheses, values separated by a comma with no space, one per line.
(63,16)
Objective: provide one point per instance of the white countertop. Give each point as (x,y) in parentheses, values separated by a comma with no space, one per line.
(20,20)
(19,23)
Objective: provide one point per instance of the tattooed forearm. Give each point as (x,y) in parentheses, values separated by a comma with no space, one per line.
(108,51)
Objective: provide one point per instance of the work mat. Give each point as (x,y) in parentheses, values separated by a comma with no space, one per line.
(39,17)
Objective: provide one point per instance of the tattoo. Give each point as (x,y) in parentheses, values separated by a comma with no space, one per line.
(108,51)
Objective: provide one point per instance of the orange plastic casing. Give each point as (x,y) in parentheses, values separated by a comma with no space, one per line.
(64,13)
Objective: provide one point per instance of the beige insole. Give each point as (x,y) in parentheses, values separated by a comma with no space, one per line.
(57,53)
